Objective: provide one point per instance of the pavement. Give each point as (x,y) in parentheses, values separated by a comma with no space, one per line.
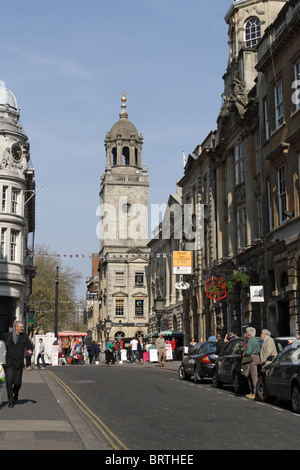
(45,419)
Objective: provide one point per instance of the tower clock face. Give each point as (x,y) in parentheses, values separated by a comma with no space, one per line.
(16,151)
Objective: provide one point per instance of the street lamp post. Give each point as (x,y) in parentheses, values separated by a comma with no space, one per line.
(159,308)
(56,304)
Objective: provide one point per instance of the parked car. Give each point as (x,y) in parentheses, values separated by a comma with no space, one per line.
(281,379)
(228,366)
(199,362)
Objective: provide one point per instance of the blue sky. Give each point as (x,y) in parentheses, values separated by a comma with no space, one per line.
(68,61)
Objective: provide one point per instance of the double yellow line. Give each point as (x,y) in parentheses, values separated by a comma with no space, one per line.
(105,431)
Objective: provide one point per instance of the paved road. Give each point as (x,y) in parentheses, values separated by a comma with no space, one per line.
(149,408)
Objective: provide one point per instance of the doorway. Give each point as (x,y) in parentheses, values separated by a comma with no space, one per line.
(283,318)
(7,314)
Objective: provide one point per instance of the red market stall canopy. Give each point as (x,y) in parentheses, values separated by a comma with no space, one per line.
(71,333)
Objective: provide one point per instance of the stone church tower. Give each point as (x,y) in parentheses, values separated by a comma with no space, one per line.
(123,233)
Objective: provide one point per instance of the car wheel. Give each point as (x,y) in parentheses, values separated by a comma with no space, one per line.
(181,373)
(260,390)
(295,398)
(216,382)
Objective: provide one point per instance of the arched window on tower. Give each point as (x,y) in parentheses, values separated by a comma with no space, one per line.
(114,156)
(252,32)
(136,161)
(125,156)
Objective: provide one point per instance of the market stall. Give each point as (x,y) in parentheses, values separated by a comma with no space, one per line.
(71,347)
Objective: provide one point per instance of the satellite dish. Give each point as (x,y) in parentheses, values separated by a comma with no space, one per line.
(182,285)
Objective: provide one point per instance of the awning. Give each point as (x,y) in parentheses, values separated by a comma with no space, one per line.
(71,333)
(171,333)
(164,333)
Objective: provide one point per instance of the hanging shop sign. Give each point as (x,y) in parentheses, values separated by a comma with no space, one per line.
(182,262)
(216,288)
(257,294)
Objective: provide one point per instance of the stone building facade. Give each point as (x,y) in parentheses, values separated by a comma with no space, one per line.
(165,239)
(246,175)
(17,214)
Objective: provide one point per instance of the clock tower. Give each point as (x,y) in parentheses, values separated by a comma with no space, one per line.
(17,214)
(123,232)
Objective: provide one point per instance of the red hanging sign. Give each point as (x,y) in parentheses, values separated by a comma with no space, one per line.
(216,288)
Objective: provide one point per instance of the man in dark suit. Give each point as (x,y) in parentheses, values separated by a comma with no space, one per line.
(16,342)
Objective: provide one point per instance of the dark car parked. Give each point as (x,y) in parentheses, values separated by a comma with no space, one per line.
(281,379)
(229,364)
(199,362)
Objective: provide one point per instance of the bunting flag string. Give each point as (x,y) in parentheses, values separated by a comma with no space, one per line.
(57,255)
(107,256)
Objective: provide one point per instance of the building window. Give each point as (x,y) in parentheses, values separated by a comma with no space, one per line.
(4,198)
(139,308)
(114,156)
(233,44)
(239,161)
(139,279)
(125,156)
(252,32)
(281,194)
(296,94)
(266,119)
(259,220)
(257,151)
(241,228)
(14,200)
(3,243)
(278,104)
(270,205)
(13,245)
(119,308)
(120,280)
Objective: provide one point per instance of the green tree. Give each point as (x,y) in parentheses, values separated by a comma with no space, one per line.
(42,299)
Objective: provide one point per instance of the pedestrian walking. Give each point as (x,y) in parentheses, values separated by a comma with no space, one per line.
(16,342)
(134,345)
(229,337)
(192,344)
(252,351)
(140,350)
(91,351)
(161,350)
(268,350)
(117,348)
(28,357)
(97,352)
(41,355)
(109,353)
(212,337)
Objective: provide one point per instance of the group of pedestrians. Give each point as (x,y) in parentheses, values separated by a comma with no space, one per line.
(253,355)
